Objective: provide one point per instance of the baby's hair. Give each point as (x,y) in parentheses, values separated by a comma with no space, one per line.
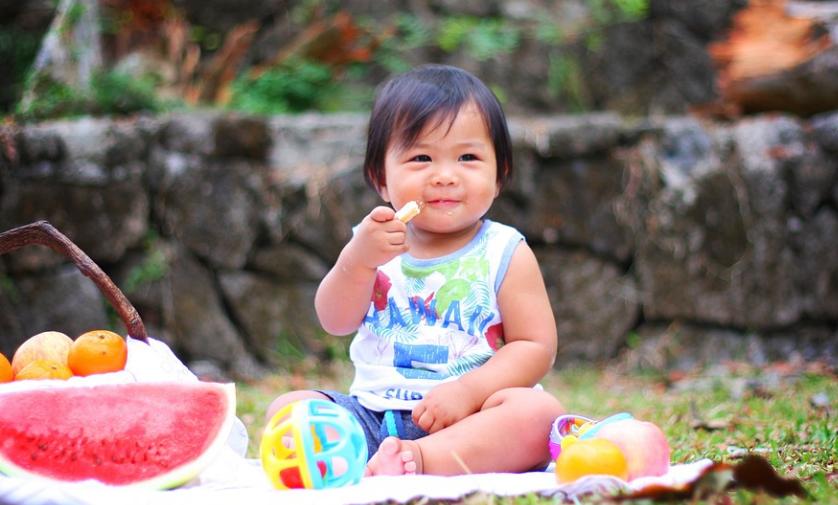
(406,103)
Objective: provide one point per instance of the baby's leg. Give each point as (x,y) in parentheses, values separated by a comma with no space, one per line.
(395,457)
(509,434)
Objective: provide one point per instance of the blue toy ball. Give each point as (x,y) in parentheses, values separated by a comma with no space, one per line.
(313,444)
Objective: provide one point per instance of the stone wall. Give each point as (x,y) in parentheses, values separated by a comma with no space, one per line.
(673,240)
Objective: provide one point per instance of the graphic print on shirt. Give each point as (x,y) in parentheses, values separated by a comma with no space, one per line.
(431,320)
(459,305)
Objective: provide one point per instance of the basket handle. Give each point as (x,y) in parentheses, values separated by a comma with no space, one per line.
(44,234)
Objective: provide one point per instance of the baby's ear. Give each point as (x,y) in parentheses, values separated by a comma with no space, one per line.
(382,191)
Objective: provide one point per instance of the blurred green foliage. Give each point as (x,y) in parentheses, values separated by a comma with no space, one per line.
(8,288)
(155,264)
(297,84)
(18,50)
(291,87)
(479,38)
(111,93)
(411,32)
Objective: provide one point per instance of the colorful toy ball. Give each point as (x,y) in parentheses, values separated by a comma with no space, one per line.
(313,444)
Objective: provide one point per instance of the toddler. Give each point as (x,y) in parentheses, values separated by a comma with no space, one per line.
(453,327)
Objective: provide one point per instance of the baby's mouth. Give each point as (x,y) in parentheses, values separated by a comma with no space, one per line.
(442,201)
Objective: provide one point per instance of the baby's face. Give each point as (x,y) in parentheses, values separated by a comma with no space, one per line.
(451,171)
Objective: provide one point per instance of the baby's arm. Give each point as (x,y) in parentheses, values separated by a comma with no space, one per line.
(343,297)
(528,354)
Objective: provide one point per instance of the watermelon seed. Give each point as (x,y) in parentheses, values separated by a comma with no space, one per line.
(34,457)
(97,460)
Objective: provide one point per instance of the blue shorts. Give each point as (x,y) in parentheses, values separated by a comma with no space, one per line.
(378,425)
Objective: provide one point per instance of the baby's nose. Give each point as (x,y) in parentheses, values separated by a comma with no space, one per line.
(445,175)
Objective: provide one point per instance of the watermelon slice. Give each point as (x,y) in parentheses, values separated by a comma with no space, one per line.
(151,434)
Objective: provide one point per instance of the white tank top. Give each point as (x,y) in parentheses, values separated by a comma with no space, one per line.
(431,320)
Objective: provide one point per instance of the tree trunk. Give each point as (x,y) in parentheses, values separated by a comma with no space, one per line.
(71,52)
(780,56)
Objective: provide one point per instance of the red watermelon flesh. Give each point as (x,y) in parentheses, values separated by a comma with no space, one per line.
(153,434)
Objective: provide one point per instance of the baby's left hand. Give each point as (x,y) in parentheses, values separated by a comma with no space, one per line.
(445,405)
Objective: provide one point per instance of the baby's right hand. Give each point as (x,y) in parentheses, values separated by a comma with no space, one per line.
(379,238)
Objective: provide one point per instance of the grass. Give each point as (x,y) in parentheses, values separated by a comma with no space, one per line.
(785,413)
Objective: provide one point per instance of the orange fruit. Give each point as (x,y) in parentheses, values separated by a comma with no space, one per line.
(97,351)
(49,345)
(44,369)
(594,456)
(6,372)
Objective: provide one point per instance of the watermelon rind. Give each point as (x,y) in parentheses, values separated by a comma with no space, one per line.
(217,430)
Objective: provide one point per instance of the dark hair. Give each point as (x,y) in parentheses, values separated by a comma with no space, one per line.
(407,102)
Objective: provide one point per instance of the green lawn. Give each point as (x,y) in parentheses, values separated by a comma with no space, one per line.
(786,413)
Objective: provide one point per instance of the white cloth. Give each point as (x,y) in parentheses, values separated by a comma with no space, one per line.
(233,479)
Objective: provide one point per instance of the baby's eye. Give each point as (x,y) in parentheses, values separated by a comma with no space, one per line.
(422,158)
(468,157)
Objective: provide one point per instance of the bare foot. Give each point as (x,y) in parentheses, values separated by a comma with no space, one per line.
(395,457)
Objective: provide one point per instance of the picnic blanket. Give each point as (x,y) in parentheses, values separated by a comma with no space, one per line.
(234,478)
